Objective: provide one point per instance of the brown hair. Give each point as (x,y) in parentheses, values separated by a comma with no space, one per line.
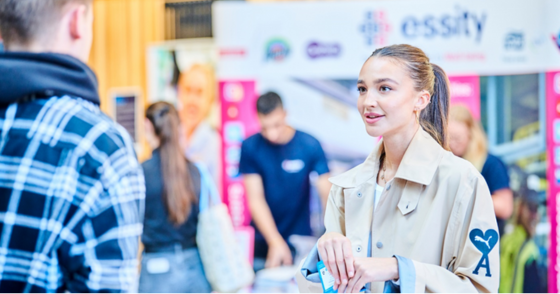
(21,21)
(178,192)
(427,76)
(477,151)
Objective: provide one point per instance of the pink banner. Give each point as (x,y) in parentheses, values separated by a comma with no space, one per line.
(239,120)
(553,173)
(465,90)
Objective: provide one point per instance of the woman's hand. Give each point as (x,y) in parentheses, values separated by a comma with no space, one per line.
(336,252)
(370,269)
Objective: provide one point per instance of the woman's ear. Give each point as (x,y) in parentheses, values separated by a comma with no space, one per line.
(423,100)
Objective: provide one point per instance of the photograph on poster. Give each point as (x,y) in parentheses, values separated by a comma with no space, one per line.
(183,73)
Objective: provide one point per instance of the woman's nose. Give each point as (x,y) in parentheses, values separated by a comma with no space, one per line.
(370,100)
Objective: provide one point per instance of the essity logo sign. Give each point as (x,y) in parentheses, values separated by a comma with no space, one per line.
(462,23)
(375,28)
(318,50)
(277,49)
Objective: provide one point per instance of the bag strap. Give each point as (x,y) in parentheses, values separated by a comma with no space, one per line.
(208,191)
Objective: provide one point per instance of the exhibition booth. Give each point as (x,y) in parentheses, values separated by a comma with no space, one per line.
(503,62)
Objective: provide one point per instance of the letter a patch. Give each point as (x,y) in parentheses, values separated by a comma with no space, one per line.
(484,242)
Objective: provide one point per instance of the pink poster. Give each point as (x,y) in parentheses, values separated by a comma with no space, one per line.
(465,90)
(239,120)
(553,173)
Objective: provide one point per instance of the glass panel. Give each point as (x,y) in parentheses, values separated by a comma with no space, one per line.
(517,107)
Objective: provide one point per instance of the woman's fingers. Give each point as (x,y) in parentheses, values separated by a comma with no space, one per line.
(348,257)
(358,286)
(331,260)
(321,248)
(340,262)
(336,252)
(352,282)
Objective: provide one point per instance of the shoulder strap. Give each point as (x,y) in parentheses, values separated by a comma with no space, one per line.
(208,192)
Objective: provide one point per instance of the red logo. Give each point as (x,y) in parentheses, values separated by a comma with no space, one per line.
(240,52)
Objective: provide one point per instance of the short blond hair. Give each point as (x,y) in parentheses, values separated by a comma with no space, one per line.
(477,151)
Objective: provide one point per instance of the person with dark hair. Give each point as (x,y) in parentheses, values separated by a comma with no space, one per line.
(172,191)
(276,164)
(413,217)
(523,268)
(71,189)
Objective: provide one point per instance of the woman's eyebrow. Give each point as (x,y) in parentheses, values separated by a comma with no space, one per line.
(382,80)
(379,81)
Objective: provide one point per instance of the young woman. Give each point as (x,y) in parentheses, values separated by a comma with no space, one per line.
(170,262)
(412,216)
(467,140)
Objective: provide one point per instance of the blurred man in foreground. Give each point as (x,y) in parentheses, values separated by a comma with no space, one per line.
(276,164)
(71,188)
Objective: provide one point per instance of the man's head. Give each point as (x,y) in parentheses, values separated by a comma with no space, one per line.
(59,26)
(528,213)
(272,117)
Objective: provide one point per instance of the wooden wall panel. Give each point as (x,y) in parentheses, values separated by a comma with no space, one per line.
(122,31)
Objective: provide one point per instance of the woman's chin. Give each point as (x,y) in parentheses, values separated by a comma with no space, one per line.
(374,131)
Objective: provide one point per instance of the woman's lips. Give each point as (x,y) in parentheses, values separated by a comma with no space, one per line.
(372,118)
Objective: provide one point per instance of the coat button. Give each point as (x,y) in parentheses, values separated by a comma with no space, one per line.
(379,245)
(359,194)
(358,248)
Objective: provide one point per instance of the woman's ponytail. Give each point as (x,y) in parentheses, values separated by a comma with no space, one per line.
(178,189)
(435,116)
(426,76)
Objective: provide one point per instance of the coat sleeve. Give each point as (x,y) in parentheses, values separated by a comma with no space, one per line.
(307,275)
(475,266)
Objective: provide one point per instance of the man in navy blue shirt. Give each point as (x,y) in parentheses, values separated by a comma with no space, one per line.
(276,165)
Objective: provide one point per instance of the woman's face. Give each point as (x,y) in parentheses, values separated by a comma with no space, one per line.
(150,133)
(387,97)
(459,137)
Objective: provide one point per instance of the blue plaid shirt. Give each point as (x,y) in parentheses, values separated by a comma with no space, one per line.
(71,199)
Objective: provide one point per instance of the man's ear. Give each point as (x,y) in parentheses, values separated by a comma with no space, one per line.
(78,15)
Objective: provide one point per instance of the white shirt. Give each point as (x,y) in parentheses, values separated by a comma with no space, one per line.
(377,196)
(204,147)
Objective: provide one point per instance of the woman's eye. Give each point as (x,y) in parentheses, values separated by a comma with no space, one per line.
(384,89)
(362,90)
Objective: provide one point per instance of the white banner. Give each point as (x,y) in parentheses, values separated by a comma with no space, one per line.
(333,39)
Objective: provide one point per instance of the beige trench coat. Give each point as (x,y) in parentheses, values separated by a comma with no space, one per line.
(437,213)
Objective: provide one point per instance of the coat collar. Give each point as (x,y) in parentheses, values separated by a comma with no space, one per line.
(419,164)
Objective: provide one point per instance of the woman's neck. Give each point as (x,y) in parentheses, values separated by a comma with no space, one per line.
(395,146)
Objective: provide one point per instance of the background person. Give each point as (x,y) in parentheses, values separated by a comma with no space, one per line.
(276,164)
(467,140)
(413,216)
(522,268)
(171,262)
(72,191)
